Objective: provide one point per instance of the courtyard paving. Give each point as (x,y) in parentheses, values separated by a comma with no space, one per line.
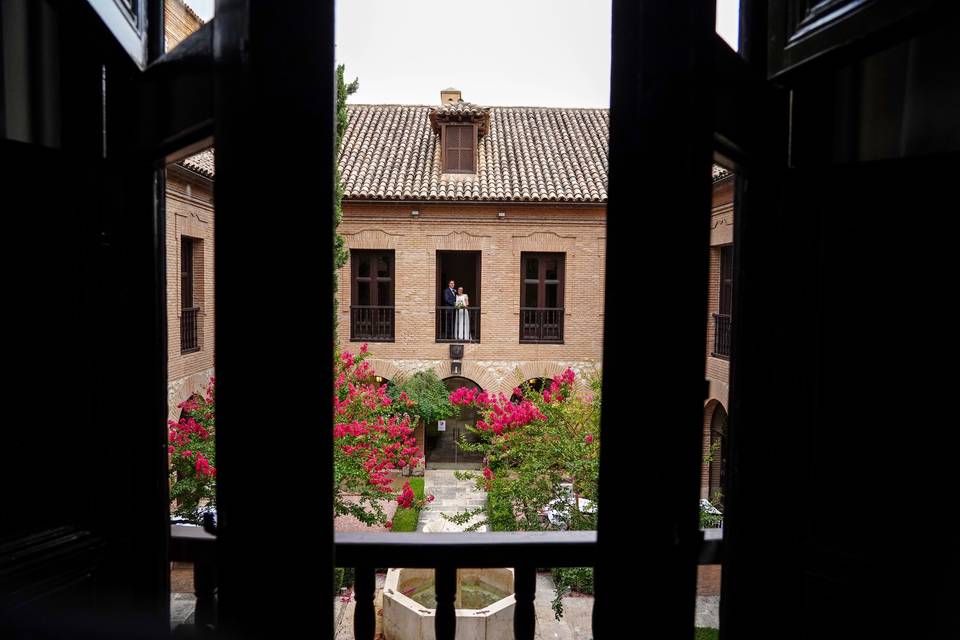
(451,497)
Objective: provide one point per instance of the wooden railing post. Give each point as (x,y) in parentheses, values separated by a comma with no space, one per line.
(204,588)
(524,615)
(446,588)
(364,616)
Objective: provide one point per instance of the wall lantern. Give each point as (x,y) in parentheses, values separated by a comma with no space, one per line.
(456,352)
(455,368)
(379,379)
(501,214)
(415,214)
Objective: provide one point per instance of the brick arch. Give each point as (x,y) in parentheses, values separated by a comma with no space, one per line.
(484,378)
(547,369)
(183,390)
(711,479)
(386,369)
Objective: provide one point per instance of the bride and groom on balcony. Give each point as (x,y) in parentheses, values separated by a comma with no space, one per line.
(457,321)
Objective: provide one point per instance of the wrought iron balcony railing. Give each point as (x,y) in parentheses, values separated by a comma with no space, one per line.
(721,335)
(372,323)
(541,324)
(443,552)
(458,325)
(189,335)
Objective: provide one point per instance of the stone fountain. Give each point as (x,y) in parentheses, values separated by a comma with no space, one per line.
(484,604)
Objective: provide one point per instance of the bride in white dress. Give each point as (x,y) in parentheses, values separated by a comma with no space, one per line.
(462,326)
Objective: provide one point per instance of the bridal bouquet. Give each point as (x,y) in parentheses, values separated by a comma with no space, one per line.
(460,305)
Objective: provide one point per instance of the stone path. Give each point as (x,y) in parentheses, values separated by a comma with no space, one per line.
(451,496)
(349,523)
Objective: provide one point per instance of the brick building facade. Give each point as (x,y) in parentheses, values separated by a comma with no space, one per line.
(720,296)
(508,201)
(189,251)
(190,299)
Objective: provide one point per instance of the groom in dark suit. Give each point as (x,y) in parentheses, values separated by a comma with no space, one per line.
(449,300)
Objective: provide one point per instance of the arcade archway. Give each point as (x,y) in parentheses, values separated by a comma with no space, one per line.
(442,441)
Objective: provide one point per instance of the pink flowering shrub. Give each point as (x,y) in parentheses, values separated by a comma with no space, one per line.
(372,439)
(192,455)
(541,453)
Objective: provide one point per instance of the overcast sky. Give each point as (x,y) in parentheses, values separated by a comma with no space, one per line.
(497,52)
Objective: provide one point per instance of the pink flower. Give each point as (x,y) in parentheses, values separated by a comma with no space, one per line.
(389,525)
(430,498)
(588,439)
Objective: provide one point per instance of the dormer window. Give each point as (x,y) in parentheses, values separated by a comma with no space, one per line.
(459,148)
(459,126)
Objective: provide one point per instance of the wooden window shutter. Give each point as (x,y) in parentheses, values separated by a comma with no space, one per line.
(726,279)
(459,148)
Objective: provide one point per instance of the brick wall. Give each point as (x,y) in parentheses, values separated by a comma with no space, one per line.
(189,213)
(499,361)
(717,369)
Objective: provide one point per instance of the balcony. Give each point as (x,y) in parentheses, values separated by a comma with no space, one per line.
(444,552)
(372,323)
(721,335)
(189,337)
(541,325)
(452,327)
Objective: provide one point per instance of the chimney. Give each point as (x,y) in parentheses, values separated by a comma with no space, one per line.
(450,95)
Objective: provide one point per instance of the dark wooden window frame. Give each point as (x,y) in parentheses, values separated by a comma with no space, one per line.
(661,129)
(726,279)
(187,255)
(374,280)
(542,283)
(190,326)
(459,150)
(722,325)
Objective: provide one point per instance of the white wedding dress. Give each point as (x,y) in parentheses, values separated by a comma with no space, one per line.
(461,329)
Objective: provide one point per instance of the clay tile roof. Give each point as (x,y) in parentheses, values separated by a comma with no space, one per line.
(460,108)
(538,154)
(202,163)
(719,173)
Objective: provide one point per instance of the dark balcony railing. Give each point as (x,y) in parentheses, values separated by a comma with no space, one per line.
(443,552)
(196,545)
(452,328)
(375,324)
(721,335)
(189,337)
(541,324)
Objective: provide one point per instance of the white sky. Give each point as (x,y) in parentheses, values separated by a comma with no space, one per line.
(497,52)
(203,8)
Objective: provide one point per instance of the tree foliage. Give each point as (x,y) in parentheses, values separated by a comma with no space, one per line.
(340,252)
(372,437)
(431,400)
(192,456)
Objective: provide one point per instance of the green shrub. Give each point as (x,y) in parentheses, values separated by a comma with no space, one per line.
(406,519)
(429,396)
(500,509)
(706,633)
(567,579)
(342,577)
